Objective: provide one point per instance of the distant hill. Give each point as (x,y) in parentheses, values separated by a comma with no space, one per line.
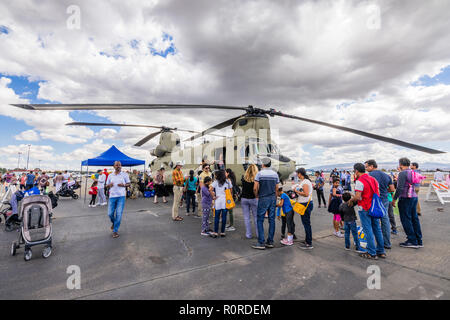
(427,166)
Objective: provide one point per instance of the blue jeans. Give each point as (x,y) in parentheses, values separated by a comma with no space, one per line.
(116,206)
(372,229)
(266,204)
(351,226)
(223,213)
(190,198)
(306,221)
(407,208)
(386,225)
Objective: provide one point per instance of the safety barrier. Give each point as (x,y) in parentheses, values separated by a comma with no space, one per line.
(438,191)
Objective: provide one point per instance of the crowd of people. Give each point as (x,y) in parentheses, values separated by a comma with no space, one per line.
(211,197)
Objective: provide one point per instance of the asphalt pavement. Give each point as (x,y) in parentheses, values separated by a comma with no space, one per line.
(156,258)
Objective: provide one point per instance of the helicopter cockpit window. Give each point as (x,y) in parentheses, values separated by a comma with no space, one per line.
(245,152)
(273,149)
(259,147)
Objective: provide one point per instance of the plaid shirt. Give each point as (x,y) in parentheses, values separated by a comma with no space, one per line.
(177,178)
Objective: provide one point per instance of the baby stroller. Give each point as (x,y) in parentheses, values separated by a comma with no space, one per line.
(36,226)
(68,190)
(12,221)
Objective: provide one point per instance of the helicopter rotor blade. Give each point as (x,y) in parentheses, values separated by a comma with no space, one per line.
(111,125)
(121,106)
(362,133)
(147,138)
(219,126)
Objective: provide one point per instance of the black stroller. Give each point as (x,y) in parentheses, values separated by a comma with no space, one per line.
(68,190)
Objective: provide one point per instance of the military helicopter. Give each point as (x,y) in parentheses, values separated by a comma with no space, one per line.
(251,140)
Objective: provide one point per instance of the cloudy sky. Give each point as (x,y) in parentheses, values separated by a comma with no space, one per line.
(378,66)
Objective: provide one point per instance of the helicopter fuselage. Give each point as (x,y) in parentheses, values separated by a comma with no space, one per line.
(251,141)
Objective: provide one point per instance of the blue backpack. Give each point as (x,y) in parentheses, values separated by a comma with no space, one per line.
(377,209)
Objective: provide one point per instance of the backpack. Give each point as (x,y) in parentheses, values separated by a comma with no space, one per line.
(416,177)
(377,209)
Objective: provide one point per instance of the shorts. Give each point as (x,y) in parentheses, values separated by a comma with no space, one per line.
(337,217)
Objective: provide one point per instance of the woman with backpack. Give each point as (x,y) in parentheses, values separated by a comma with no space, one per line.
(219,186)
(232,177)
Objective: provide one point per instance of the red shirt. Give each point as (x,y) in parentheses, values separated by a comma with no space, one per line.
(93,190)
(370,186)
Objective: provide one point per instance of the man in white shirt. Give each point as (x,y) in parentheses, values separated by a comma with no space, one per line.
(101,188)
(117,182)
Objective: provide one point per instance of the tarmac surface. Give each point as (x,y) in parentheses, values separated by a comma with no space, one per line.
(156,258)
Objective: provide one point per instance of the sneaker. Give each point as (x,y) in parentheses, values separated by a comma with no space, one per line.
(223,235)
(115,235)
(197,216)
(286,242)
(338,234)
(420,245)
(282,237)
(269,245)
(213,235)
(230,229)
(104,204)
(359,250)
(408,245)
(305,246)
(206,234)
(381,255)
(259,246)
(347,249)
(387,248)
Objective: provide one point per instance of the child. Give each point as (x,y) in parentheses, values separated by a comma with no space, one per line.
(288,219)
(150,185)
(207,198)
(347,212)
(334,202)
(93,192)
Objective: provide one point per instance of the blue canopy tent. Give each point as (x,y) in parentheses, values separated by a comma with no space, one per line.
(108,158)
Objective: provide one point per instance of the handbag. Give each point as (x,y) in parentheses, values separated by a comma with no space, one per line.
(229,201)
(300,208)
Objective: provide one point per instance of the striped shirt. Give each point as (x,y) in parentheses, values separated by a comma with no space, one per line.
(268,180)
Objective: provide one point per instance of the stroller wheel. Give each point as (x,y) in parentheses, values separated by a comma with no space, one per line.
(28,254)
(47,252)
(13,249)
(8,227)
(75,196)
